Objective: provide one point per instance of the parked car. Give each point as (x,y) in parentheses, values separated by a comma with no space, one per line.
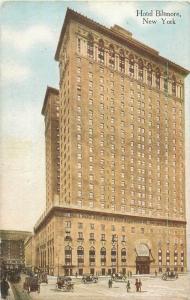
(118,277)
(89,278)
(31,284)
(14,277)
(64,283)
(43,277)
(169,275)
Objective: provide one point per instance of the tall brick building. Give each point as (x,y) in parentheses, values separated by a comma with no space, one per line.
(114,156)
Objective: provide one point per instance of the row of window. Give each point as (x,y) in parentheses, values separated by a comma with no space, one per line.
(92,255)
(122,66)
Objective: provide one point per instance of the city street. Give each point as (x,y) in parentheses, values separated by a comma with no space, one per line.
(152,288)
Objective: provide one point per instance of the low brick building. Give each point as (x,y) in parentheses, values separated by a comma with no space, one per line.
(12,248)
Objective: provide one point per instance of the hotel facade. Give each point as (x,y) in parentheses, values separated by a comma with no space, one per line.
(115,173)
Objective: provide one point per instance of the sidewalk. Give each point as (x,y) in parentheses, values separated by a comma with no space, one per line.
(11,295)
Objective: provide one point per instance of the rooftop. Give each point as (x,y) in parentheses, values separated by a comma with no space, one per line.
(49,90)
(14,234)
(119,34)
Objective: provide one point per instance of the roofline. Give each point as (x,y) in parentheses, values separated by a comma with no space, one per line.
(15,231)
(48,91)
(71,14)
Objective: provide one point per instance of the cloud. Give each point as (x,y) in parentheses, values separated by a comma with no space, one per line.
(24,40)
(114,12)
(12,71)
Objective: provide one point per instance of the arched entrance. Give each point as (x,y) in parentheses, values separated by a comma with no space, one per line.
(142,259)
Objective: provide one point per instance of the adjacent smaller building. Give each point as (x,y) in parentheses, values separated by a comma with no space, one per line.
(12,248)
(29,252)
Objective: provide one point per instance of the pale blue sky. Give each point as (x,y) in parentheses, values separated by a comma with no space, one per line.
(30,32)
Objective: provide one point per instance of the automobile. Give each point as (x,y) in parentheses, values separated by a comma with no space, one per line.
(64,283)
(118,277)
(14,277)
(43,277)
(170,275)
(31,284)
(89,278)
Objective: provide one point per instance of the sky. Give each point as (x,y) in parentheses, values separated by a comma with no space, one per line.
(30,33)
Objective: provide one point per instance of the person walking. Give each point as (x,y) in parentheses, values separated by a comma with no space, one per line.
(137,285)
(128,286)
(140,285)
(156,273)
(110,283)
(4,288)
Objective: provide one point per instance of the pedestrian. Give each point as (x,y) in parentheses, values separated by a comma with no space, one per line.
(156,273)
(76,274)
(4,288)
(137,285)
(128,286)
(140,285)
(110,283)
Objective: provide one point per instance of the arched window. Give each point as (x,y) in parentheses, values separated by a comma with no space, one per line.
(103,256)
(149,74)
(121,61)
(158,78)
(123,255)
(168,259)
(80,255)
(113,255)
(175,259)
(140,69)
(173,85)
(131,65)
(68,255)
(160,260)
(90,46)
(182,261)
(111,57)
(92,256)
(101,51)
(103,251)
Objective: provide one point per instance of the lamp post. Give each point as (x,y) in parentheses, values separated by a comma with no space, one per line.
(115,240)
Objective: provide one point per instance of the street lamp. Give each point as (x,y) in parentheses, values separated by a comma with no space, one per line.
(115,241)
(57,264)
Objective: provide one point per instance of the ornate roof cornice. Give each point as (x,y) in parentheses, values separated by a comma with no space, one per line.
(117,36)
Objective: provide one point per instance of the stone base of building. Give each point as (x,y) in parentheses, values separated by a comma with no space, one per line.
(77,241)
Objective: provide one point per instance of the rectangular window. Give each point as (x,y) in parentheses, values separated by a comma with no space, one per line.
(80,225)
(113,227)
(68,224)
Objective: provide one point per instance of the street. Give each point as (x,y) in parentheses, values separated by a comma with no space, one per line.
(152,288)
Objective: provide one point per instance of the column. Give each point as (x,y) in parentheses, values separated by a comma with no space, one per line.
(153,79)
(126,66)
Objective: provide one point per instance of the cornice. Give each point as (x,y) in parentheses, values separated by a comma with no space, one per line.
(55,210)
(14,234)
(126,41)
(49,90)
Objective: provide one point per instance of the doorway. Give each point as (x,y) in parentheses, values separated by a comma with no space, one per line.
(142,265)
